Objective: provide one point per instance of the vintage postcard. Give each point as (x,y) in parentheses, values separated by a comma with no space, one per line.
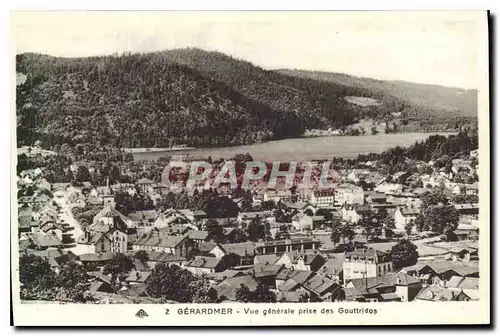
(177,168)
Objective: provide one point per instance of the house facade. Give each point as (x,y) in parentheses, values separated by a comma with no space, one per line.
(323,198)
(114,240)
(366,263)
(349,194)
(287,245)
(389,287)
(304,222)
(204,265)
(403,216)
(156,240)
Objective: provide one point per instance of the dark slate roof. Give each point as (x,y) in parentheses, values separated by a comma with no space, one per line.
(155,238)
(438,293)
(95,257)
(165,257)
(136,276)
(45,240)
(269,259)
(263,270)
(198,235)
(229,287)
(204,262)
(387,280)
(246,249)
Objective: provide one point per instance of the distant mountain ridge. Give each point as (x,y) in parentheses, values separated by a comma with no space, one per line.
(195,97)
(448,100)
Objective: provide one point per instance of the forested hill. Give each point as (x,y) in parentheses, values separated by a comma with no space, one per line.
(323,94)
(186,96)
(318,104)
(137,101)
(440,100)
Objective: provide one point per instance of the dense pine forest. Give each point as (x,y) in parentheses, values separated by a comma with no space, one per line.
(186,96)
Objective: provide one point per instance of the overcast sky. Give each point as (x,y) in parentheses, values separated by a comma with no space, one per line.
(433,48)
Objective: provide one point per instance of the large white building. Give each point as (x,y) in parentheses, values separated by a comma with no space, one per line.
(349,194)
(366,263)
(323,198)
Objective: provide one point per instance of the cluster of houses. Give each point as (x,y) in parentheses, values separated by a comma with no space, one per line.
(364,274)
(299,266)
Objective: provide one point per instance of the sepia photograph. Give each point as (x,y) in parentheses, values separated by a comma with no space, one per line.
(216,168)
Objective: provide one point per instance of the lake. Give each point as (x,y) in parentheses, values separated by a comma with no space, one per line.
(302,149)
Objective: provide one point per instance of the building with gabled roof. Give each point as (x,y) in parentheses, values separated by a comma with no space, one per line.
(319,287)
(227,274)
(227,289)
(196,216)
(156,240)
(332,268)
(301,206)
(278,195)
(267,274)
(323,198)
(442,270)
(202,264)
(389,287)
(269,259)
(404,216)
(95,260)
(108,214)
(375,197)
(297,296)
(137,277)
(198,236)
(468,285)
(436,293)
(349,194)
(308,261)
(143,219)
(43,241)
(101,237)
(266,270)
(303,222)
(172,216)
(289,280)
(287,245)
(366,263)
(143,184)
(160,257)
(245,250)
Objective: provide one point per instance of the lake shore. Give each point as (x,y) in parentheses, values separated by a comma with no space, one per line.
(155,150)
(305,148)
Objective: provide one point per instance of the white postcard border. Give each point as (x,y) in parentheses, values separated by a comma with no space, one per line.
(412,313)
